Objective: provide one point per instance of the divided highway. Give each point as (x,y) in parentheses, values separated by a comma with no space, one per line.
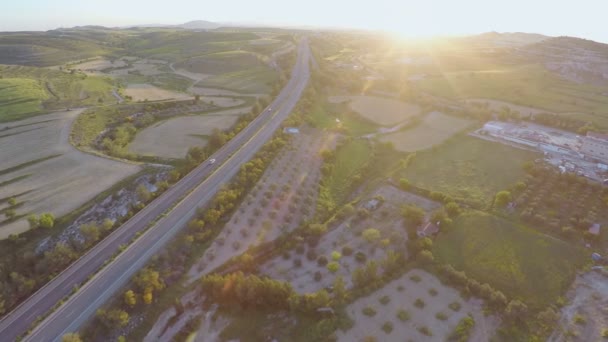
(194,190)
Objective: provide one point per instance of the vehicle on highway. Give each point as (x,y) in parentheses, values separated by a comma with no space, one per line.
(212,161)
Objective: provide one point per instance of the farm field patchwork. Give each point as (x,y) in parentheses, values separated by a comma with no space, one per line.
(434,129)
(172,138)
(401,319)
(468,168)
(44,173)
(512,258)
(19,97)
(382,111)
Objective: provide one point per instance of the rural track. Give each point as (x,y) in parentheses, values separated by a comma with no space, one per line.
(180,201)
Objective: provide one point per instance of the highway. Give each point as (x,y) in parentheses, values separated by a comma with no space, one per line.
(194,190)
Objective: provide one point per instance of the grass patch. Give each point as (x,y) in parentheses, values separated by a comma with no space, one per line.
(468,168)
(351,158)
(20,97)
(511,258)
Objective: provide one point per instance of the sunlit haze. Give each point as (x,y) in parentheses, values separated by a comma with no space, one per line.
(413,18)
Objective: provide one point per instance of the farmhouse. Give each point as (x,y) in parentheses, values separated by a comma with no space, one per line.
(428,229)
(595,145)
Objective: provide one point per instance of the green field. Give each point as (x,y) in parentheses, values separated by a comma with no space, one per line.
(324,114)
(28,90)
(528,85)
(514,259)
(468,168)
(19,97)
(349,161)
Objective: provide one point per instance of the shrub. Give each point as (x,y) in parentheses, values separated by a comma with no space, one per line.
(384,300)
(297,262)
(387,327)
(368,311)
(579,319)
(441,316)
(322,261)
(360,257)
(286,255)
(300,249)
(236,245)
(455,306)
(425,331)
(244,233)
(333,267)
(311,255)
(347,251)
(433,292)
(400,288)
(415,278)
(335,255)
(605,333)
(318,276)
(419,303)
(403,315)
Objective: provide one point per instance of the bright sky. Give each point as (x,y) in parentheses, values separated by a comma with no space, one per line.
(416,18)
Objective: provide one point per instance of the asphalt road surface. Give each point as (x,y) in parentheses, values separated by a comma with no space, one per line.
(194,190)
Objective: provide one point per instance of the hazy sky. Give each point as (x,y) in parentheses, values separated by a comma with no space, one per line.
(580,18)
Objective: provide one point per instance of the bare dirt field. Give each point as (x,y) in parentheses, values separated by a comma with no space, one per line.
(99,65)
(205,91)
(172,138)
(222,101)
(45,173)
(433,130)
(497,106)
(283,198)
(586,315)
(402,294)
(382,111)
(348,234)
(143,92)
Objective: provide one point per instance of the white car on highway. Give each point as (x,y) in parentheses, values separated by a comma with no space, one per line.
(212,160)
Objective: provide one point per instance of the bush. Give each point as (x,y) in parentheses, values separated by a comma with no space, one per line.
(300,249)
(322,261)
(400,288)
(360,257)
(605,333)
(297,262)
(387,327)
(579,319)
(335,255)
(419,303)
(318,276)
(368,311)
(415,278)
(433,292)
(311,255)
(333,267)
(441,316)
(286,255)
(384,300)
(425,331)
(347,251)
(403,315)
(455,306)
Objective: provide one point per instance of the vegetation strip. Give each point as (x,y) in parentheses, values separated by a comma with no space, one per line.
(29,163)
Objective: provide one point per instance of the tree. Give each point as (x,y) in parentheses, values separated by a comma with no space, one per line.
(12,201)
(197,98)
(333,267)
(147,297)
(502,199)
(113,319)
(34,221)
(90,231)
(425,243)
(404,184)
(2,308)
(452,209)
(547,319)
(414,215)
(425,257)
(71,337)
(47,220)
(143,193)
(371,235)
(339,291)
(516,310)
(107,224)
(130,298)
(10,214)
